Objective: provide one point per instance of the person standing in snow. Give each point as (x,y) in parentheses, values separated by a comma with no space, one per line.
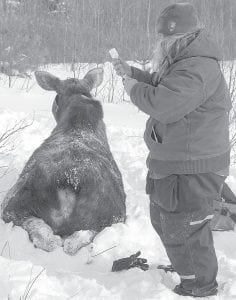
(187,135)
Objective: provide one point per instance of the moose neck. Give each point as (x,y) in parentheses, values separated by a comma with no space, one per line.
(82,115)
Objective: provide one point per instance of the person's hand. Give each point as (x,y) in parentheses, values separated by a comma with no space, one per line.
(128,84)
(130,262)
(121,67)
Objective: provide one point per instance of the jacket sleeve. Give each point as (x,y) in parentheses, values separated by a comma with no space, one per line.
(178,94)
(141,76)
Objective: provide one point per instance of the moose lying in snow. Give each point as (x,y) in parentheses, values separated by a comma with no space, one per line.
(71,187)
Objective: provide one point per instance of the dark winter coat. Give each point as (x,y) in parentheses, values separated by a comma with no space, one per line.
(188,128)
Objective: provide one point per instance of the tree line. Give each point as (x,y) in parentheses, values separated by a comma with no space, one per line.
(34,32)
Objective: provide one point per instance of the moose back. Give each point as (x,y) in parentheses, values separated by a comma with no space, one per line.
(70,188)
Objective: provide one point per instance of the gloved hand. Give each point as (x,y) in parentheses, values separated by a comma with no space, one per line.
(121,67)
(128,84)
(166,268)
(130,262)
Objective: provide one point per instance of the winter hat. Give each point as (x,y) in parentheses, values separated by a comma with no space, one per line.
(178,18)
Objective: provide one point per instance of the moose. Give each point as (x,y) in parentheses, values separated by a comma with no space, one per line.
(71,188)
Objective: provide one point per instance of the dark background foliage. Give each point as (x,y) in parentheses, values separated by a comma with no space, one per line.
(34,32)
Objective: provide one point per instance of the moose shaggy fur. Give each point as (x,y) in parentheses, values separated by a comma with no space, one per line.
(71,187)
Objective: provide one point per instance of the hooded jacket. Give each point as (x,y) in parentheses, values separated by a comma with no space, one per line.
(188,128)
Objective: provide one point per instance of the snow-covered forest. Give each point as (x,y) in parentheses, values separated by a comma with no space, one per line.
(68,38)
(36,32)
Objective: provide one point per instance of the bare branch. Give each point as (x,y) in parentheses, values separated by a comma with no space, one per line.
(6,137)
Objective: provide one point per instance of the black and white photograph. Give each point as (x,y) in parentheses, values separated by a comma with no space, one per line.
(117,149)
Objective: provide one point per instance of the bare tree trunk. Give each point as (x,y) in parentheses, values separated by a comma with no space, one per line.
(148,25)
(121,21)
(75,35)
(4,5)
(65,41)
(98,28)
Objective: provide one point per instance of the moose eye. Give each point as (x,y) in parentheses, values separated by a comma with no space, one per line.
(56,99)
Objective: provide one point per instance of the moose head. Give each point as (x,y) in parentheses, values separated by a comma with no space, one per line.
(67,89)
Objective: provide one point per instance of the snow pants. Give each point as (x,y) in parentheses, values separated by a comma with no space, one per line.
(181,208)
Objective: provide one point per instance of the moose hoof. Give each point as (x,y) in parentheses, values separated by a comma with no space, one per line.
(77,240)
(47,243)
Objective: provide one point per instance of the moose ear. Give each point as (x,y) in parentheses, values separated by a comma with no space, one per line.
(47,81)
(93,78)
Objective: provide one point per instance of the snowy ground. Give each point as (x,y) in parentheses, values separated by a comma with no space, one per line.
(29,273)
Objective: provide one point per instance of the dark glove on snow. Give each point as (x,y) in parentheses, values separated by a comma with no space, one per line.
(130,262)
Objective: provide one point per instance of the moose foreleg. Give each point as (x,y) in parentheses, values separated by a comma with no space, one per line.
(77,240)
(41,234)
